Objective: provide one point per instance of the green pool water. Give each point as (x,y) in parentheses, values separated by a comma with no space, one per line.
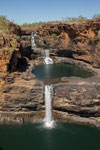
(52,71)
(62,137)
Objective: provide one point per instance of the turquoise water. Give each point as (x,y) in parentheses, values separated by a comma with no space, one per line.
(52,71)
(62,137)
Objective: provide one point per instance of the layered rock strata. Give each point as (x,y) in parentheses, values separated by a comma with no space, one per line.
(74,100)
(78,41)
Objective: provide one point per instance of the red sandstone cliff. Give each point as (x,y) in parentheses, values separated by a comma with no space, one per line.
(79,41)
(9,46)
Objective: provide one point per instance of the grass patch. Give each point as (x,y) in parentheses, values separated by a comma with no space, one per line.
(4,24)
(91,38)
(97,38)
(1,92)
(17,37)
(1,75)
(13,46)
(54,35)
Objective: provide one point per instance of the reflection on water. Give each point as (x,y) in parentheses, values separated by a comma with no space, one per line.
(36,137)
(52,71)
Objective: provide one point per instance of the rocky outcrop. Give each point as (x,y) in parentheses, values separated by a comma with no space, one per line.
(9,47)
(21,98)
(9,60)
(78,41)
(77,98)
(11,38)
(15,48)
(74,99)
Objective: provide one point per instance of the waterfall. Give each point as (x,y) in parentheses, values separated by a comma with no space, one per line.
(47,59)
(33,45)
(48,100)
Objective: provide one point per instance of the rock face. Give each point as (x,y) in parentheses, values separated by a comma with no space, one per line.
(10,39)
(9,47)
(78,41)
(21,99)
(77,98)
(14,47)
(25,41)
(9,60)
(74,99)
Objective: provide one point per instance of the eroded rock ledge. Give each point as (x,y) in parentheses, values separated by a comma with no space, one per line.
(78,41)
(75,99)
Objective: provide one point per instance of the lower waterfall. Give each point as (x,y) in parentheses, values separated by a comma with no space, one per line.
(49,122)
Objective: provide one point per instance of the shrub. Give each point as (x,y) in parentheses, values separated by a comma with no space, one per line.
(13,46)
(91,38)
(1,92)
(17,37)
(97,38)
(54,35)
(79,19)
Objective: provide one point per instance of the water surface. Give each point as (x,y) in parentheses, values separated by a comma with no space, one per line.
(52,71)
(62,137)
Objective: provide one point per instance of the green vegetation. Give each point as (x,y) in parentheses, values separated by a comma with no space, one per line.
(97,38)
(1,75)
(3,24)
(80,19)
(13,46)
(38,24)
(54,35)
(91,38)
(33,25)
(17,37)
(1,92)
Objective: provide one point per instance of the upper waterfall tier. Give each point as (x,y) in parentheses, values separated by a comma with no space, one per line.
(33,44)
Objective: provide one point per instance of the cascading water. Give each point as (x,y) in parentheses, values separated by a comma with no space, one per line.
(33,44)
(47,59)
(48,100)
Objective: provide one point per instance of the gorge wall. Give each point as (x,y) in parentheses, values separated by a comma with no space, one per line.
(74,99)
(9,47)
(78,41)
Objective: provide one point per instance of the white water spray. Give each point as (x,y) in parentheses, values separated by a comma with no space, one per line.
(33,44)
(48,100)
(47,59)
